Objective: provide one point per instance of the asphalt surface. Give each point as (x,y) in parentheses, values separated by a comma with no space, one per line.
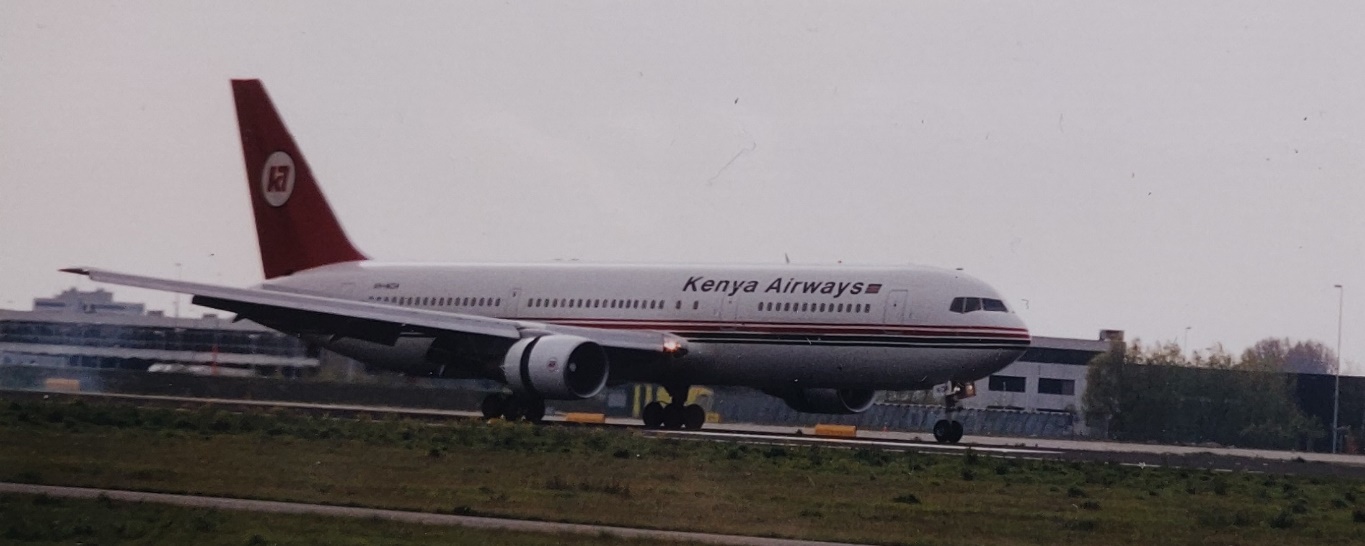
(425,518)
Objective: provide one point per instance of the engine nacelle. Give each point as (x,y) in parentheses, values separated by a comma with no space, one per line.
(556,367)
(840,401)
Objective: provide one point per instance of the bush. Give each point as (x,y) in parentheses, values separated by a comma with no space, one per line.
(1086,525)
(1283,520)
(908,498)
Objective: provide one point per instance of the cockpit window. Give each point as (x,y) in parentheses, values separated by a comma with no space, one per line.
(967,305)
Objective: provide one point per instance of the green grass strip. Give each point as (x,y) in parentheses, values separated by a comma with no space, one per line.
(620,478)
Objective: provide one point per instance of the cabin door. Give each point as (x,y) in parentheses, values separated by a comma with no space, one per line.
(895,307)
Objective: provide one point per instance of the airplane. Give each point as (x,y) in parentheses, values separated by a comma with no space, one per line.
(824,339)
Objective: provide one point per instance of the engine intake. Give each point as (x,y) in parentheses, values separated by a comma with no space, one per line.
(835,401)
(556,367)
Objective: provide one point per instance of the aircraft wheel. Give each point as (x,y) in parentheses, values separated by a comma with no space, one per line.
(493,405)
(942,431)
(694,417)
(653,415)
(674,416)
(513,410)
(954,431)
(533,410)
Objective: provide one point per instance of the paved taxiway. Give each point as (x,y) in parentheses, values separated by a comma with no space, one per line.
(225,503)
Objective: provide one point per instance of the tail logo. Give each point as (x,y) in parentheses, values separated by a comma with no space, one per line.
(277,179)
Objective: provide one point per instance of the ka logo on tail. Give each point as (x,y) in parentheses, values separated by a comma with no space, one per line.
(277,179)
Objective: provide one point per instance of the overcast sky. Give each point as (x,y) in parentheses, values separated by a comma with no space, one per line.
(1144,166)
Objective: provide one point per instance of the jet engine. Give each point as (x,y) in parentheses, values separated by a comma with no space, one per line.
(841,401)
(557,367)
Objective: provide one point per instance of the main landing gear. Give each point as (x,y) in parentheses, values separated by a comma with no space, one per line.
(513,407)
(949,430)
(677,414)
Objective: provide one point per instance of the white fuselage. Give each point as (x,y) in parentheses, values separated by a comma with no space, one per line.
(759,326)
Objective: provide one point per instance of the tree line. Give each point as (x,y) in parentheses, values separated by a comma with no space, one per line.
(1156,393)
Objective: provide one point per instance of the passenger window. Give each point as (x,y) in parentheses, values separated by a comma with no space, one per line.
(498,302)
(678,305)
(695,304)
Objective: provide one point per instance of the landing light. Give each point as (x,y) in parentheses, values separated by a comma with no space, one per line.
(673,347)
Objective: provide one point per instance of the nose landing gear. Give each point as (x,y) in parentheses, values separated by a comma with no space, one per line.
(949,430)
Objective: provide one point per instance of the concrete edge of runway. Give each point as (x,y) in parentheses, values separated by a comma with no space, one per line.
(424,518)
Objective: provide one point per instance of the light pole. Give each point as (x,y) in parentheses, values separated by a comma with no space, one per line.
(1336,389)
(1187,338)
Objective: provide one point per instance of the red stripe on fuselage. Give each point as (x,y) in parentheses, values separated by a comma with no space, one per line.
(794,328)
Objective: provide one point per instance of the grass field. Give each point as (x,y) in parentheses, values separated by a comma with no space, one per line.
(616,477)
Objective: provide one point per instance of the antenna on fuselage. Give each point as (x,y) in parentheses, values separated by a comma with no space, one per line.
(786,257)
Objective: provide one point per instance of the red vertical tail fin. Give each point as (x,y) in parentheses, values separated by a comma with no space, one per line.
(294,224)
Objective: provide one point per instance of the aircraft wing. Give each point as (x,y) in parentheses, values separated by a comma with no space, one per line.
(376,319)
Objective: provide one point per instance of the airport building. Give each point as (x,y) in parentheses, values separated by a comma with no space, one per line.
(91,330)
(1050,377)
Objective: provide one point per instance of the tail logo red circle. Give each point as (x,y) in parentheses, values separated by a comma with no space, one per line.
(277,179)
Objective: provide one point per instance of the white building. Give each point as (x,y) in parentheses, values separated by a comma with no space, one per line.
(1050,377)
(91,330)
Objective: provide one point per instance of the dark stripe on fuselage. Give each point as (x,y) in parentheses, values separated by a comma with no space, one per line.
(815,334)
(754,338)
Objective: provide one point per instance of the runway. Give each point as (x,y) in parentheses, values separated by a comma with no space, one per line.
(425,518)
(1139,455)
